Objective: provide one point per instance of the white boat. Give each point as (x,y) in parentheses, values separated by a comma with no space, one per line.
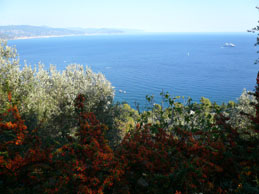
(229,44)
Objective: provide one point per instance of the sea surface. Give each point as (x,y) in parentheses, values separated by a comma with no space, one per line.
(183,64)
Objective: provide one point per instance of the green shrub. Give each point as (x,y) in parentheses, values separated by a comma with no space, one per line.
(238,114)
(45,98)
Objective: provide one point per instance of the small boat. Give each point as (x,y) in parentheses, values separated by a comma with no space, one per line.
(121,91)
(229,44)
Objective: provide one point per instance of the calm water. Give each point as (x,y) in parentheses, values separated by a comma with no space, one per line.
(192,65)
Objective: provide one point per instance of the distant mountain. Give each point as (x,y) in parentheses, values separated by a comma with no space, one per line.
(97,30)
(107,30)
(26,31)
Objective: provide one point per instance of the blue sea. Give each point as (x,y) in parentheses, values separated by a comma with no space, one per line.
(184,64)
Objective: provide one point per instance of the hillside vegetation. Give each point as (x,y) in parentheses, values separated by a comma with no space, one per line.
(62,132)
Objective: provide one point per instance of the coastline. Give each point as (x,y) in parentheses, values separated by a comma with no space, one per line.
(58,36)
(33,37)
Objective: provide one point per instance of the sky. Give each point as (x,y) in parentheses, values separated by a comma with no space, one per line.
(147,15)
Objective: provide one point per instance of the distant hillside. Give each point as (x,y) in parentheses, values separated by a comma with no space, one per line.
(26,31)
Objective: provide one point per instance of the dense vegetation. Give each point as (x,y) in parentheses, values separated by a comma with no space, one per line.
(61,132)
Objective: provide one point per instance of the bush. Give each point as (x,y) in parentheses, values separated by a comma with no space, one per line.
(84,166)
(238,114)
(178,112)
(183,148)
(45,98)
(150,159)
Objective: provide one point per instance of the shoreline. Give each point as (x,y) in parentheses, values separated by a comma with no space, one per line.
(59,36)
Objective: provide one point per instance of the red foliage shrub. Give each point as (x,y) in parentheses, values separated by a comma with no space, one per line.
(216,161)
(189,162)
(22,161)
(210,162)
(87,164)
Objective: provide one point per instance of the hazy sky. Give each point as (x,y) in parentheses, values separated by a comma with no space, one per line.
(148,15)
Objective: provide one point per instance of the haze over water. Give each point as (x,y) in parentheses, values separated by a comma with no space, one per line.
(183,64)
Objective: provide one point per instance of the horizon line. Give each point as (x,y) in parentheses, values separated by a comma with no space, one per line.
(122,28)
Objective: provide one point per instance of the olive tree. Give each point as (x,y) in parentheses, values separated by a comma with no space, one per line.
(45,98)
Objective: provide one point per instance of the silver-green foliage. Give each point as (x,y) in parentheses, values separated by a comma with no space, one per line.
(46,97)
(238,114)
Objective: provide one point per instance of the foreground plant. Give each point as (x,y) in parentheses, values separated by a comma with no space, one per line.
(45,98)
(87,163)
(150,159)
(220,160)
(24,164)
